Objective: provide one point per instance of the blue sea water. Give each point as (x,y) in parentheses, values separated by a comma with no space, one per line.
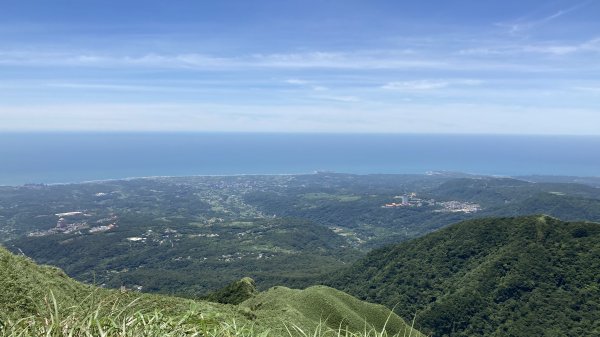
(76,157)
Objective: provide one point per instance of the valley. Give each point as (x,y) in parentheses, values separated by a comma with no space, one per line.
(463,252)
(192,235)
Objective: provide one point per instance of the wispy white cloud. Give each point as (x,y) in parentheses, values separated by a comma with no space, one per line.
(296,81)
(332,60)
(356,117)
(526,24)
(118,87)
(351,61)
(415,85)
(91,59)
(500,49)
(426,85)
(595,90)
(306,84)
(345,99)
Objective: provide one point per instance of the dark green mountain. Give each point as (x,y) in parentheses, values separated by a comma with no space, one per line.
(524,276)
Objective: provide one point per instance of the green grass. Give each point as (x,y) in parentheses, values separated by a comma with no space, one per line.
(43,301)
(110,318)
(322,308)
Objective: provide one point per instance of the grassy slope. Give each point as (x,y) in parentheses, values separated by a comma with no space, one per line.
(524,276)
(45,294)
(24,285)
(323,304)
(50,300)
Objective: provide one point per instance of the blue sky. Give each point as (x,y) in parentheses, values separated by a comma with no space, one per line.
(522,67)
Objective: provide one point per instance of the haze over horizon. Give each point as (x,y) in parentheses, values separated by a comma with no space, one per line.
(510,67)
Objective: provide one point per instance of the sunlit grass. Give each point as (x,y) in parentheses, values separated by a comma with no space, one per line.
(322,330)
(109,317)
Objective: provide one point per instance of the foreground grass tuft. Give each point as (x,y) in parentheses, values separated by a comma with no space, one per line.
(323,330)
(110,317)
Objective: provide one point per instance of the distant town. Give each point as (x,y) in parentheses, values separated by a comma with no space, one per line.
(452,206)
(76,222)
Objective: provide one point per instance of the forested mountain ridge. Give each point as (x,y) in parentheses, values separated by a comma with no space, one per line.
(523,276)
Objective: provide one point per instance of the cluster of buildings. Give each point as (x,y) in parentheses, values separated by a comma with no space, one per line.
(453,206)
(168,235)
(105,228)
(71,222)
(407,200)
(404,202)
(61,227)
(458,207)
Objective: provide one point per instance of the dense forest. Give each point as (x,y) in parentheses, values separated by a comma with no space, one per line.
(524,276)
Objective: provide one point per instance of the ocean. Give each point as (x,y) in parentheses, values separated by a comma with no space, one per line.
(76,157)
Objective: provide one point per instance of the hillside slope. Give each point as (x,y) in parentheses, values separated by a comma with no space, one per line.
(38,295)
(36,300)
(524,276)
(323,304)
(24,285)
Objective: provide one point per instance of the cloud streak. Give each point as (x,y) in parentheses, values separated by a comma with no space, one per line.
(525,25)
(428,85)
(358,117)
(589,46)
(330,60)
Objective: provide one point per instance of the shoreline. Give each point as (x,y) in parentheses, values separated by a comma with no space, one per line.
(96,181)
(523,177)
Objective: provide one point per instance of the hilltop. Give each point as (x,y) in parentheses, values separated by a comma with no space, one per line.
(37,299)
(321,303)
(522,276)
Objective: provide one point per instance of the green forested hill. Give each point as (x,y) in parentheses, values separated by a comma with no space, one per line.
(524,276)
(40,300)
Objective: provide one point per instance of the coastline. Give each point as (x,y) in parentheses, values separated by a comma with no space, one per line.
(567,178)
